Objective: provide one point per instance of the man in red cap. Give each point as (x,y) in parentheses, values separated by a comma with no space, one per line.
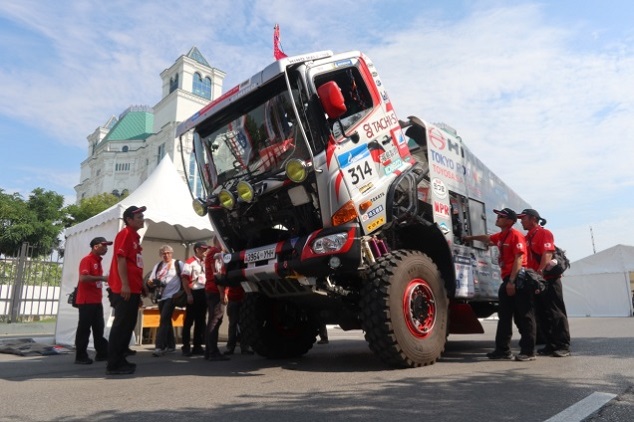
(550,306)
(89,297)
(126,283)
(512,301)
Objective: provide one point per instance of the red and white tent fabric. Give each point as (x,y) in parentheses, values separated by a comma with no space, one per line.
(169,219)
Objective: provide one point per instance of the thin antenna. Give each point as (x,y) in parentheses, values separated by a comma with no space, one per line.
(592,237)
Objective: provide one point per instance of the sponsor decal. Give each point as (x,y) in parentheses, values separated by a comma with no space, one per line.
(376,224)
(356,154)
(387,156)
(441,209)
(346,62)
(373,128)
(365,188)
(379,196)
(392,167)
(443,228)
(440,190)
(374,211)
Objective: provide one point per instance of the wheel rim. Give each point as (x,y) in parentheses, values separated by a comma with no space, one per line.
(419,307)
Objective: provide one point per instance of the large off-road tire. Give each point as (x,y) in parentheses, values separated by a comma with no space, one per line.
(276,328)
(405,309)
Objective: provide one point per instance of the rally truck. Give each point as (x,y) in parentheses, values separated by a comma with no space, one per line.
(332,210)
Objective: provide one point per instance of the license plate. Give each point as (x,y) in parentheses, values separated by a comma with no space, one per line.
(261,255)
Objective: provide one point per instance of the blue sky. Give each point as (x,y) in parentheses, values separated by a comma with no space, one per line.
(542,92)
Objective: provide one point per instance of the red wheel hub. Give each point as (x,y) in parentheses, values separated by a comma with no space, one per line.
(419,308)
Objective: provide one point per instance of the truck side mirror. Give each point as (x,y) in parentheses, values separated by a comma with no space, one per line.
(332,100)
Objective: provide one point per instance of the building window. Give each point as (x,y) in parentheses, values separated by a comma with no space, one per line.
(120,167)
(174,83)
(125,148)
(98,172)
(202,87)
(161,153)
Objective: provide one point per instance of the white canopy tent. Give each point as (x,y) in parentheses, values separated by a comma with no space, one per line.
(599,285)
(169,219)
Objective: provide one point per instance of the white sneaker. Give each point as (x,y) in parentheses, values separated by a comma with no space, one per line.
(158,352)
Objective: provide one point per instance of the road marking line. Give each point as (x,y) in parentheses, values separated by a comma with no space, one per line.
(582,409)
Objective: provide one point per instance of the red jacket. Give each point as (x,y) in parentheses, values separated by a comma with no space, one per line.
(210,285)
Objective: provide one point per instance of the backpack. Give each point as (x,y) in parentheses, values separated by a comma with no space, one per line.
(563,263)
(72,298)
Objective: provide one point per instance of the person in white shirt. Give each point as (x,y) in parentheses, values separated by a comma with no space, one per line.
(196,311)
(166,276)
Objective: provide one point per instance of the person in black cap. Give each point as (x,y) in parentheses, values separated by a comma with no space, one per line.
(126,283)
(550,307)
(513,302)
(196,311)
(89,297)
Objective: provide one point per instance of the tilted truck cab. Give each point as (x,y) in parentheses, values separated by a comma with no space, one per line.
(332,210)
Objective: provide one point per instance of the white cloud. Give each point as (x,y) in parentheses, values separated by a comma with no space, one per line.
(550,118)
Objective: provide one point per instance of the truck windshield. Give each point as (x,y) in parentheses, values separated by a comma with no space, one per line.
(256,135)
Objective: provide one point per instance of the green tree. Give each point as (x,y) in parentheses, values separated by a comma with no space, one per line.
(38,221)
(89,207)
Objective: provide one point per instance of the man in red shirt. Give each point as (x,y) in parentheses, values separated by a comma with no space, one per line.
(550,306)
(89,296)
(512,301)
(126,283)
(216,302)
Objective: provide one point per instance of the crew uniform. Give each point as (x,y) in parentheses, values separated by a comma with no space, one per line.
(89,297)
(127,244)
(215,308)
(510,243)
(196,312)
(550,306)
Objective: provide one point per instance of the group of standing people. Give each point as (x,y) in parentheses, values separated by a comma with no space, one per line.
(205,300)
(529,309)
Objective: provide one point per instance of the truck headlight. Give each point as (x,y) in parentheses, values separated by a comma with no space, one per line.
(329,244)
(226,199)
(245,191)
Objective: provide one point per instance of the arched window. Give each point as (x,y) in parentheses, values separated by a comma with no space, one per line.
(125,148)
(174,83)
(202,87)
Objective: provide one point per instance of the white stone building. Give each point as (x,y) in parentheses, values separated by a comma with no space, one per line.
(124,151)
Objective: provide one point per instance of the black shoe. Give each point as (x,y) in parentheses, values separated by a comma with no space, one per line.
(83,361)
(217,357)
(198,351)
(129,352)
(561,353)
(247,351)
(228,351)
(126,363)
(101,358)
(499,355)
(323,341)
(523,357)
(122,370)
(545,351)
(187,352)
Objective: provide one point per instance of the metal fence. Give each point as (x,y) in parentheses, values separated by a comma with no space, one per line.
(30,285)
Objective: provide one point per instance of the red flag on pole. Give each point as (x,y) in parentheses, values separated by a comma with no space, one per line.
(277,50)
